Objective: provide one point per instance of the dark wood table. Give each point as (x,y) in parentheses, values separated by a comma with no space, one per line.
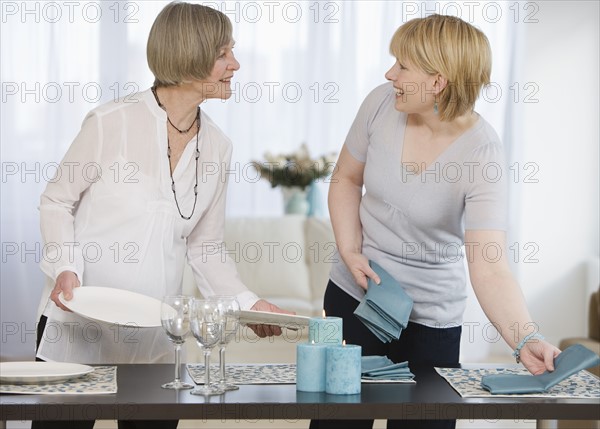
(140,397)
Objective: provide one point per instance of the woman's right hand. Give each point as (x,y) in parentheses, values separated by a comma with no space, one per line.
(65,283)
(358,265)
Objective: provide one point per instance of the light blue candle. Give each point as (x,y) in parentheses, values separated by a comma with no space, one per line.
(310,367)
(325,330)
(343,369)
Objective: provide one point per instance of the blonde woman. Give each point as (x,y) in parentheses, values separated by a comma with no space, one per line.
(431,168)
(153,202)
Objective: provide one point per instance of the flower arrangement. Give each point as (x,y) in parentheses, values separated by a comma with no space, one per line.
(296,169)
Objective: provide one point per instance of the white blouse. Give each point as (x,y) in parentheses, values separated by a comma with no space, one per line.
(110,217)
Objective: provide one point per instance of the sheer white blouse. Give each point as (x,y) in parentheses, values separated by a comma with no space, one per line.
(110,216)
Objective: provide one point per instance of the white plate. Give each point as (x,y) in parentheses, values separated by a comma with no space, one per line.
(115,306)
(267,318)
(40,372)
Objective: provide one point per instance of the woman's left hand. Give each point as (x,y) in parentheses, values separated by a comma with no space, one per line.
(538,356)
(267,330)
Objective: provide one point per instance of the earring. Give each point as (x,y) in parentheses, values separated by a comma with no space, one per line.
(435,107)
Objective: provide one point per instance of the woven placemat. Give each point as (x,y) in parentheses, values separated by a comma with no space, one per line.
(467,382)
(273,373)
(103,380)
(247,373)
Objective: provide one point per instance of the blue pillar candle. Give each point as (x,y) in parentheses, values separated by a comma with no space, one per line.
(325,330)
(310,367)
(343,369)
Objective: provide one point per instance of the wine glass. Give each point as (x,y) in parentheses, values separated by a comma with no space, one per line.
(175,319)
(205,325)
(229,311)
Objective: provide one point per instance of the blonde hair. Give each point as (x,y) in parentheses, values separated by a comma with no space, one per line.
(184,42)
(453,48)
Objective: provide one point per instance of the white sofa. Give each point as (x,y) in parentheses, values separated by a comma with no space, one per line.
(285,260)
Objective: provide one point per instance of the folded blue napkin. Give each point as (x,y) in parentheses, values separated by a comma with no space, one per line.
(368,363)
(382,368)
(386,307)
(569,362)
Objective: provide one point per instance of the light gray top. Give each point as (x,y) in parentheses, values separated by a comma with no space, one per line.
(414,224)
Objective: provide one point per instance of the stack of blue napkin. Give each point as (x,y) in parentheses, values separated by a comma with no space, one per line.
(570,361)
(382,368)
(386,307)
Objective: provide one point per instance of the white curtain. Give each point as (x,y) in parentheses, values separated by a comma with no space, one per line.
(305,68)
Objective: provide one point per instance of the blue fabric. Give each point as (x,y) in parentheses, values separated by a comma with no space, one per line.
(386,307)
(382,368)
(373,362)
(384,329)
(569,362)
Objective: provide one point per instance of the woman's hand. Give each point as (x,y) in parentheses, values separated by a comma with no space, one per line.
(538,356)
(358,265)
(267,330)
(65,283)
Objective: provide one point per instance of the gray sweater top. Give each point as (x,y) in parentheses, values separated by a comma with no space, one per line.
(413,224)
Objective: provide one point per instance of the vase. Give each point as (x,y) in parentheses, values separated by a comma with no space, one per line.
(294,200)
(316,208)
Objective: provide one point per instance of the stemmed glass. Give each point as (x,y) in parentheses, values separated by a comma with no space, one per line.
(229,311)
(205,324)
(175,319)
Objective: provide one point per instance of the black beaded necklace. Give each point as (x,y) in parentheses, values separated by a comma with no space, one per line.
(197,122)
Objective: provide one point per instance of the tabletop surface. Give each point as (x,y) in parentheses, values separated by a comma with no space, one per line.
(140,396)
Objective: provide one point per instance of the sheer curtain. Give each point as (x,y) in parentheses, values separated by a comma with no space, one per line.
(305,68)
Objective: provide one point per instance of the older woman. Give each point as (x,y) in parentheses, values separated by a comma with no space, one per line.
(157,200)
(424,157)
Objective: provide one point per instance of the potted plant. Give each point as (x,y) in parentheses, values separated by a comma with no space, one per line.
(294,173)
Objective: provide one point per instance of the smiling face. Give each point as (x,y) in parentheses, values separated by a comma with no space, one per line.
(415,89)
(191,43)
(218,83)
(441,54)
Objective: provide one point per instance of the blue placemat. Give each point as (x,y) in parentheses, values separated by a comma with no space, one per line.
(467,382)
(103,380)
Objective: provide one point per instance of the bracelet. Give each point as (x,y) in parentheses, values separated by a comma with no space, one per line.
(517,352)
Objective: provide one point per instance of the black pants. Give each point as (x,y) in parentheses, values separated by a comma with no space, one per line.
(89,424)
(418,344)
